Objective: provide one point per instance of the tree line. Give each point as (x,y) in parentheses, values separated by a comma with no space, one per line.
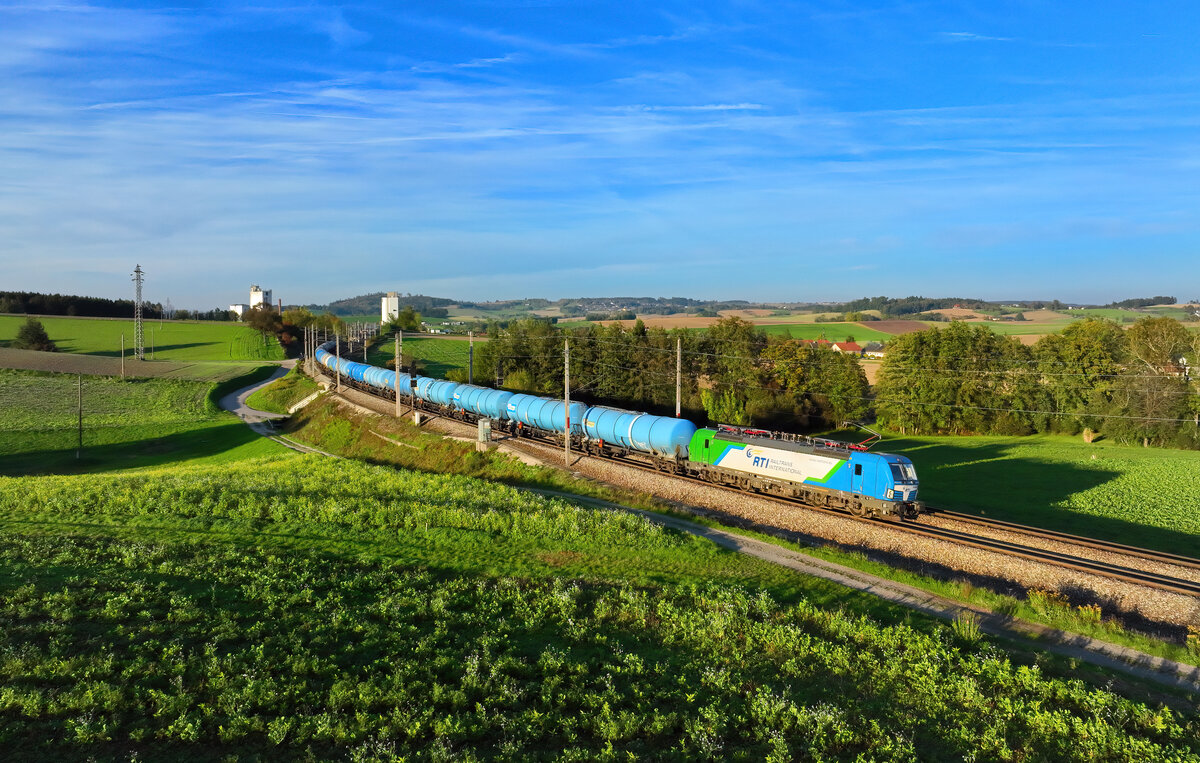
(732,373)
(33,303)
(1137,385)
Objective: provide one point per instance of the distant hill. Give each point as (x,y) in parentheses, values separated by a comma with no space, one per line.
(368,304)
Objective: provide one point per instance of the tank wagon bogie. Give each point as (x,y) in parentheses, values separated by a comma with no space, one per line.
(819,472)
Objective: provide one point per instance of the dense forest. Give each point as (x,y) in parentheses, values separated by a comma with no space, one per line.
(32,303)
(1130,385)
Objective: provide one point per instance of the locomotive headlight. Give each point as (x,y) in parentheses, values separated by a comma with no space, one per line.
(891,493)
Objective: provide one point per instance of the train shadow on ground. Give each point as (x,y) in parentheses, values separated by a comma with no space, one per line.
(981,479)
(65,346)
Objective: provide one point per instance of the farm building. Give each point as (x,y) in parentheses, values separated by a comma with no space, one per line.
(390,307)
(851,348)
(873,350)
(260,298)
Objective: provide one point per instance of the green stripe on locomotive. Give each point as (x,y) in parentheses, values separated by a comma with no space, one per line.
(824,469)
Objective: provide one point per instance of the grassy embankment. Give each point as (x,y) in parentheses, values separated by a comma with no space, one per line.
(289,606)
(184,341)
(281,395)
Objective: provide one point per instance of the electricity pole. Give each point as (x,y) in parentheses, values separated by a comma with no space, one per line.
(397,373)
(338,364)
(567,400)
(122,356)
(678,371)
(470,357)
(79,448)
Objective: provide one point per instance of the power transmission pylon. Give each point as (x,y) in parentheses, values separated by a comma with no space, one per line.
(139,337)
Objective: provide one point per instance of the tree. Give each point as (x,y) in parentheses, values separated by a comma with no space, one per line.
(408,319)
(1159,343)
(1079,368)
(32,336)
(830,384)
(960,379)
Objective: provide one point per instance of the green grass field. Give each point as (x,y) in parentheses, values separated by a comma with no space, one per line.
(1140,496)
(171,340)
(126,424)
(1111,313)
(834,332)
(1019,328)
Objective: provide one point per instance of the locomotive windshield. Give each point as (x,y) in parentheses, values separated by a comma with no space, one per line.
(903,472)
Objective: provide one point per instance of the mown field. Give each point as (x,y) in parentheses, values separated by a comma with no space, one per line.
(1139,496)
(125,424)
(171,340)
(307,607)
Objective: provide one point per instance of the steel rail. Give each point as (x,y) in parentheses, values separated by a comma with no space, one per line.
(1078,540)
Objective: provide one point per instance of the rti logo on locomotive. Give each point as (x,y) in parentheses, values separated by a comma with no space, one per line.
(757,460)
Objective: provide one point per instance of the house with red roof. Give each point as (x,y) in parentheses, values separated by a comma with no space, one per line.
(851,348)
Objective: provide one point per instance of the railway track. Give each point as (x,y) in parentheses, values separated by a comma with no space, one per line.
(1058,559)
(1161,557)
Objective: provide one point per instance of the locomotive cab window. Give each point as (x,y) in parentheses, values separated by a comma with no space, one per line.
(903,473)
(858,470)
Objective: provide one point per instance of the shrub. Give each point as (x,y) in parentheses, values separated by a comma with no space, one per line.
(32,336)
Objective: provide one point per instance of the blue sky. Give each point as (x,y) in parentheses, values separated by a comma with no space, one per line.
(490,149)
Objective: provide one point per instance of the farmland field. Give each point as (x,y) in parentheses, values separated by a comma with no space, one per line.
(312,608)
(99,365)
(171,340)
(1140,496)
(834,332)
(125,424)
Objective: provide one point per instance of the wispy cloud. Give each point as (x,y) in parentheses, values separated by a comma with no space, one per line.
(704,107)
(972,37)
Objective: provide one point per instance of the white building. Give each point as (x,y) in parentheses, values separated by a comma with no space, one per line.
(391,307)
(239,309)
(262,299)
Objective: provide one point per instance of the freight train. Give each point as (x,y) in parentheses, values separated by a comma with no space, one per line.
(816,471)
